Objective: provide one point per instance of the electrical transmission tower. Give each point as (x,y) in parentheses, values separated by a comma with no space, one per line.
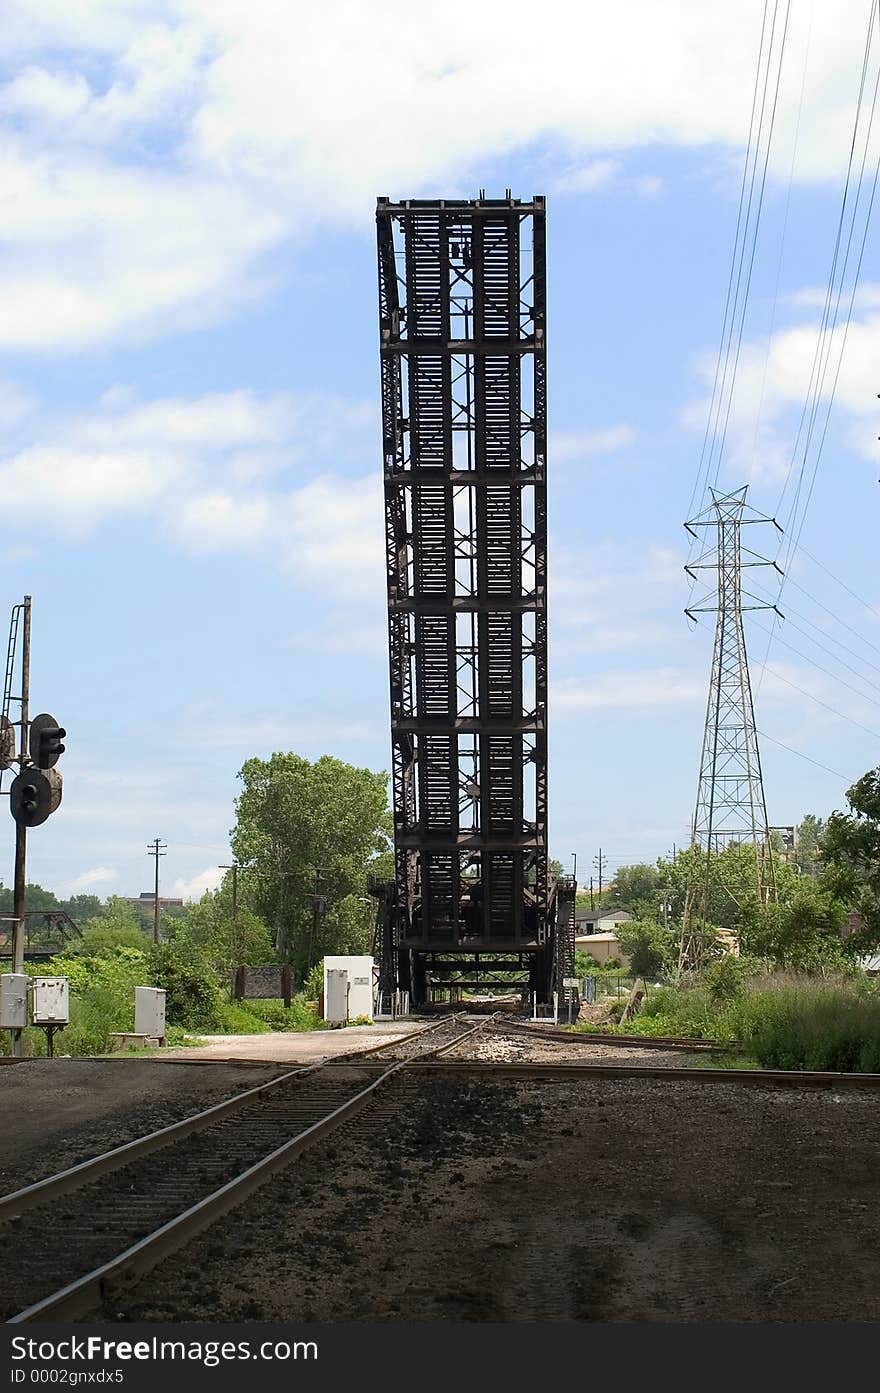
(730,804)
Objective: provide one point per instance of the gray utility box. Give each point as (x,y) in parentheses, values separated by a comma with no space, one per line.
(13,1001)
(336,995)
(50,1004)
(149,1012)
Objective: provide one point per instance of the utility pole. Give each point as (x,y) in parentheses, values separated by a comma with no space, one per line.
(233,938)
(20,829)
(575,870)
(156,849)
(600,862)
(730,803)
(318,907)
(592,906)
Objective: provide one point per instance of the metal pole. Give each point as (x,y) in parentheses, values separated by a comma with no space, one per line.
(20,875)
(154,849)
(314,933)
(20,829)
(233,937)
(156,899)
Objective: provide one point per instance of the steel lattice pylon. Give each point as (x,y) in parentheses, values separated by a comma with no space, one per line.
(730,803)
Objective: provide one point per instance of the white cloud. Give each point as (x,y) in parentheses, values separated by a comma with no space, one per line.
(235,462)
(91,880)
(196,886)
(15,405)
(626,690)
(773,382)
(156,152)
(585,178)
(579,444)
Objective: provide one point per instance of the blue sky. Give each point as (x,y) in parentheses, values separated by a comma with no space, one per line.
(189,428)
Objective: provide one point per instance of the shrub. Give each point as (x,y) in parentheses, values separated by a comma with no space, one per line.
(193,994)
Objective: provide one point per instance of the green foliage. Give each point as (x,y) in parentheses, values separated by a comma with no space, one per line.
(193,998)
(649,946)
(637,889)
(782,1020)
(314,983)
(814,1025)
(723,979)
(116,926)
(808,845)
(294,818)
(850,853)
(225,942)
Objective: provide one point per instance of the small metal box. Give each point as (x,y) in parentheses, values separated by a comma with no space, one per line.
(51,1001)
(13,1000)
(149,1012)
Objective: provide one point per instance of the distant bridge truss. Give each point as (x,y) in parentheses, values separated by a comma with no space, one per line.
(462,296)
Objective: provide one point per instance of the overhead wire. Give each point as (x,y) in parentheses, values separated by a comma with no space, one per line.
(698,486)
(751,267)
(825,340)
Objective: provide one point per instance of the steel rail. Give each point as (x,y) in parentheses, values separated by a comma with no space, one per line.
(668,1042)
(565,1069)
(82,1295)
(63,1182)
(453,1044)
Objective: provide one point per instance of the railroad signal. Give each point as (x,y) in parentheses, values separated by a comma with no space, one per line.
(33,795)
(45,741)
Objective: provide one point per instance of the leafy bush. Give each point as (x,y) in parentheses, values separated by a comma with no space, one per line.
(724,979)
(193,996)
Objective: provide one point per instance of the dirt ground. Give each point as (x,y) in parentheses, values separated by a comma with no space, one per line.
(292,1047)
(584,1200)
(56,1113)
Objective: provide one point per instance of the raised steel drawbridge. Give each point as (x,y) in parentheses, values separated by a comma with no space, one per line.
(462,307)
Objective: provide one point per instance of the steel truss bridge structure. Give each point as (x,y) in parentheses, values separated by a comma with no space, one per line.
(462,304)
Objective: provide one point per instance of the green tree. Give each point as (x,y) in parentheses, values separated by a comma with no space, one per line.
(637,889)
(850,857)
(117,925)
(650,947)
(807,844)
(227,942)
(304,827)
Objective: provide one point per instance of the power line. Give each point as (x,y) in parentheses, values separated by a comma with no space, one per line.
(818,666)
(816,376)
(800,754)
(757,221)
(740,240)
(742,191)
(832,709)
(873,609)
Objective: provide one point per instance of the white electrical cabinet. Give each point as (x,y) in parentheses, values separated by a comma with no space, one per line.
(359,972)
(50,1004)
(149,1012)
(13,1001)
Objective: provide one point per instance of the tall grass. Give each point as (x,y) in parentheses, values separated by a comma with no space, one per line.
(783,1020)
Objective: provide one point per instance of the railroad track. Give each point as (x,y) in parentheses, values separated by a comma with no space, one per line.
(112,1219)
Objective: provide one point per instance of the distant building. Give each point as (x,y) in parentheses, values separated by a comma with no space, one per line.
(601,946)
(147,900)
(596,921)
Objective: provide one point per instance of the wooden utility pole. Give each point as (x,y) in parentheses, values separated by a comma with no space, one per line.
(157,849)
(233,937)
